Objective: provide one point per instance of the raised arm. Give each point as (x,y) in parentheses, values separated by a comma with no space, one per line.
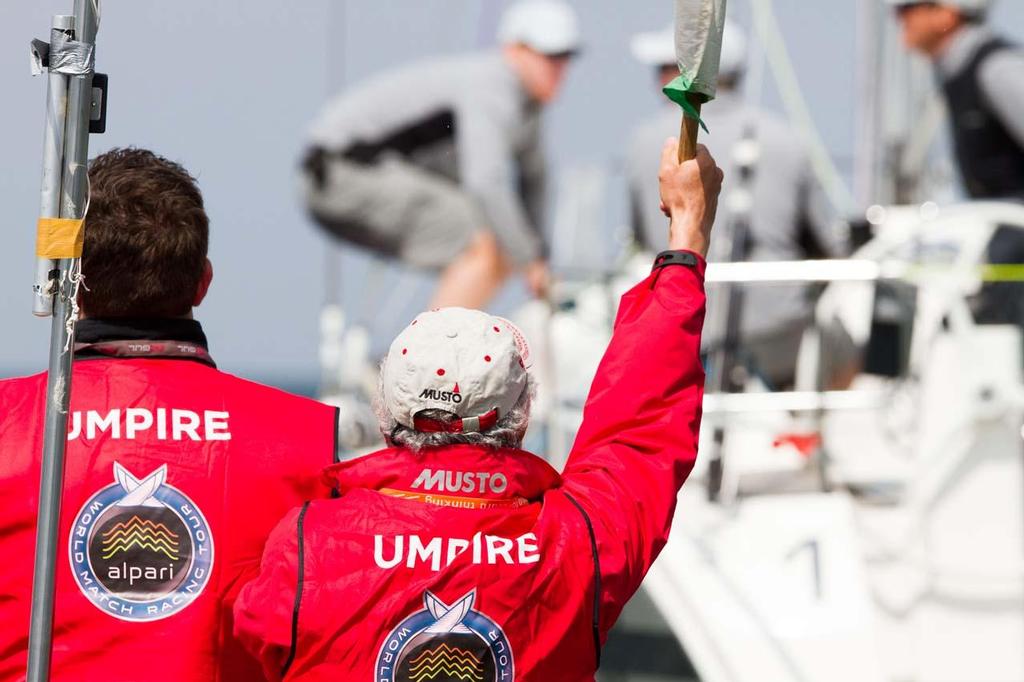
(638,440)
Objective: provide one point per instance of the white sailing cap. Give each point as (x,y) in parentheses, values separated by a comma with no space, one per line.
(466,362)
(546,26)
(658,48)
(967,6)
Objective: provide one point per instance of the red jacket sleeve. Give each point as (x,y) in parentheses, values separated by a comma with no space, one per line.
(638,440)
(265,607)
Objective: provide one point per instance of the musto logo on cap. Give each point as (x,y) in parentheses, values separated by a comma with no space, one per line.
(445,643)
(140,550)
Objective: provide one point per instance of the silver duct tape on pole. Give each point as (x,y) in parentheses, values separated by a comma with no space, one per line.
(72,57)
(73,201)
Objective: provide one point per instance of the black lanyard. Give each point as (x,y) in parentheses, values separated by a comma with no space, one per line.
(146,348)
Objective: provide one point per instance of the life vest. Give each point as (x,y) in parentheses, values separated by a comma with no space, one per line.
(990,158)
(175,474)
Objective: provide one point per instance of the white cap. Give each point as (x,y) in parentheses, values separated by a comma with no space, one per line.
(461,361)
(966,6)
(547,26)
(658,48)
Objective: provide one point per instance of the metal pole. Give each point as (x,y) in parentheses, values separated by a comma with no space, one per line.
(53,157)
(332,314)
(73,198)
(724,360)
(337,65)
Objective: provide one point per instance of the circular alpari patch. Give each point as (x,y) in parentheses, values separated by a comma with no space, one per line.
(445,643)
(140,550)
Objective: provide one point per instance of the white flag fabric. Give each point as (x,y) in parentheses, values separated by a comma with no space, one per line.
(699,26)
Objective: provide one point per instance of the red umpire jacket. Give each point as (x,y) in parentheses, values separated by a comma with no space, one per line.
(176,473)
(481,565)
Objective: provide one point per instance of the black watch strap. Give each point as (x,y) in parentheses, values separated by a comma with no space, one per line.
(666,258)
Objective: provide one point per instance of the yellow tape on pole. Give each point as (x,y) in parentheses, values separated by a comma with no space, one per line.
(60,238)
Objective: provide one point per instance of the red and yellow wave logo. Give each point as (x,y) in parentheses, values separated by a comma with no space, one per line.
(142,533)
(452,662)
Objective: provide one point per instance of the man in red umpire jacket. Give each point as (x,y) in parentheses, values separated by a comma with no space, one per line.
(176,472)
(454,555)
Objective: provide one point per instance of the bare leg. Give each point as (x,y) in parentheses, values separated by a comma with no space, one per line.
(472,279)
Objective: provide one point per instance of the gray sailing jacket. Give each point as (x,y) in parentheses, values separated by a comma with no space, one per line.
(787,203)
(466,117)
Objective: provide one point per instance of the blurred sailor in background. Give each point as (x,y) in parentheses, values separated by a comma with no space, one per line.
(440,164)
(769,186)
(982,78)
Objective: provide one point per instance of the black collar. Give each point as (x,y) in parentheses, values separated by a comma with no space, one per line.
(177,338)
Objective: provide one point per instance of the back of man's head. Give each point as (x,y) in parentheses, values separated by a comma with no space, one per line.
(146,237)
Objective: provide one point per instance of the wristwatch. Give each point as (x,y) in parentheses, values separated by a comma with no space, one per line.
(666,258)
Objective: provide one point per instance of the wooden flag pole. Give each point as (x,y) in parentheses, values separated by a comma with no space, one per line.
(688,132)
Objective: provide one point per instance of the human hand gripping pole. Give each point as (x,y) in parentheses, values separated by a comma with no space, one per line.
(699,26)
(689,196)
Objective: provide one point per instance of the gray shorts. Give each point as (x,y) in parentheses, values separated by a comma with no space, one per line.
(395,209)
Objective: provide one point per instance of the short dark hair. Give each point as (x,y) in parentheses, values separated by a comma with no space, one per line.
(146,237)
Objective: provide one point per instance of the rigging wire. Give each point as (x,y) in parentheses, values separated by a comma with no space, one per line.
(336,26)
(753,82)
(769,33)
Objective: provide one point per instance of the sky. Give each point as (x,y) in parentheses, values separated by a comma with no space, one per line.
(229,87)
